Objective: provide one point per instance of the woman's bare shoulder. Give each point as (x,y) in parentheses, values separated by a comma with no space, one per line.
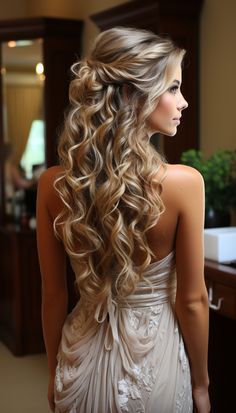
(49,176)
(46,190)
(182,172)
(182,176)
(181,182)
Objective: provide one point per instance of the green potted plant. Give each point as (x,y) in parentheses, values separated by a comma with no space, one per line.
(219,173)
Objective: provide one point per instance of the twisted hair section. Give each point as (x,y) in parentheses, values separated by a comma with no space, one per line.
(109,189)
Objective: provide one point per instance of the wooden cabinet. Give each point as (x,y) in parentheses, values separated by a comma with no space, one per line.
(20,293)
(221,285)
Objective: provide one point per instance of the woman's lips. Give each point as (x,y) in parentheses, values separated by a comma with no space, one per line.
(177,120)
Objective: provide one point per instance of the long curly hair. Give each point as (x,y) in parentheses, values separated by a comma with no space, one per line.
(108,187)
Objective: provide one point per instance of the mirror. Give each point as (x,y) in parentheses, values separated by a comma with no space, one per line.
(23,124)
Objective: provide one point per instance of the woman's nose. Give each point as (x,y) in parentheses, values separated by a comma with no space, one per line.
(183,104)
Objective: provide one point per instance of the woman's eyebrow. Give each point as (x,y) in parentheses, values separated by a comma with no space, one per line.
(177,81)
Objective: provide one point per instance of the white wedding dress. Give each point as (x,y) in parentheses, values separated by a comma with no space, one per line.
(126,355)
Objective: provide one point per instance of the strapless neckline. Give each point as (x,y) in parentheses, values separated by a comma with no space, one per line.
(156,264)
(165,258)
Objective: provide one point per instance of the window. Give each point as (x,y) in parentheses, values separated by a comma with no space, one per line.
(34,153)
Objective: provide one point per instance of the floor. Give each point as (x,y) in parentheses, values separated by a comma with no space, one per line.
(23,383)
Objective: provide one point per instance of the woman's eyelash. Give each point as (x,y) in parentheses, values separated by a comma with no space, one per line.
(174,88)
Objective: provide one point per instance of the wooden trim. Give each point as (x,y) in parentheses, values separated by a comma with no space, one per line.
(220,273)
(145,12)
(39,27)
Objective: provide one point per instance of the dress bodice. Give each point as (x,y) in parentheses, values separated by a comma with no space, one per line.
(157,286)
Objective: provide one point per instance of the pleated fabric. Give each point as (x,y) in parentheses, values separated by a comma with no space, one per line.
(126,355)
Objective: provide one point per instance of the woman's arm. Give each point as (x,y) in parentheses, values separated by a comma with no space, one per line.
(191,299)
(52,260)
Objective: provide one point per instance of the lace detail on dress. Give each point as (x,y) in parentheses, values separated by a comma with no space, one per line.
(150,316)
(182,355)
(65,374)
(131,387)
(186,385)
(154,319)
(59,376)
(126,390)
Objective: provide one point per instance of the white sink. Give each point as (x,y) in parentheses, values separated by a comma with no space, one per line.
(220,244)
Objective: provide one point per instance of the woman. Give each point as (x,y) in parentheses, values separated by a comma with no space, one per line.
(132,226)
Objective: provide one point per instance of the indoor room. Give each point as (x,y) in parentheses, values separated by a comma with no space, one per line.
(39,43)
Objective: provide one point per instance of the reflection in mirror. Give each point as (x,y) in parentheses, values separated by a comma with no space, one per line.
(23,124)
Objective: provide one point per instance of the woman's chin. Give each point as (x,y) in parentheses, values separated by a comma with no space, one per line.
(171,132)
(167,132)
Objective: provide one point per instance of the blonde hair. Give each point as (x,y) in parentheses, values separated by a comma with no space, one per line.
(109,189)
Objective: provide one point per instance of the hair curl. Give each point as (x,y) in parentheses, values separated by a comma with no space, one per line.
(109,188)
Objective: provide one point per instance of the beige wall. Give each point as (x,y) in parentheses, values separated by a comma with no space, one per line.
(12,9)
(73,9)
(76,9)
(217,53)
(217,74)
